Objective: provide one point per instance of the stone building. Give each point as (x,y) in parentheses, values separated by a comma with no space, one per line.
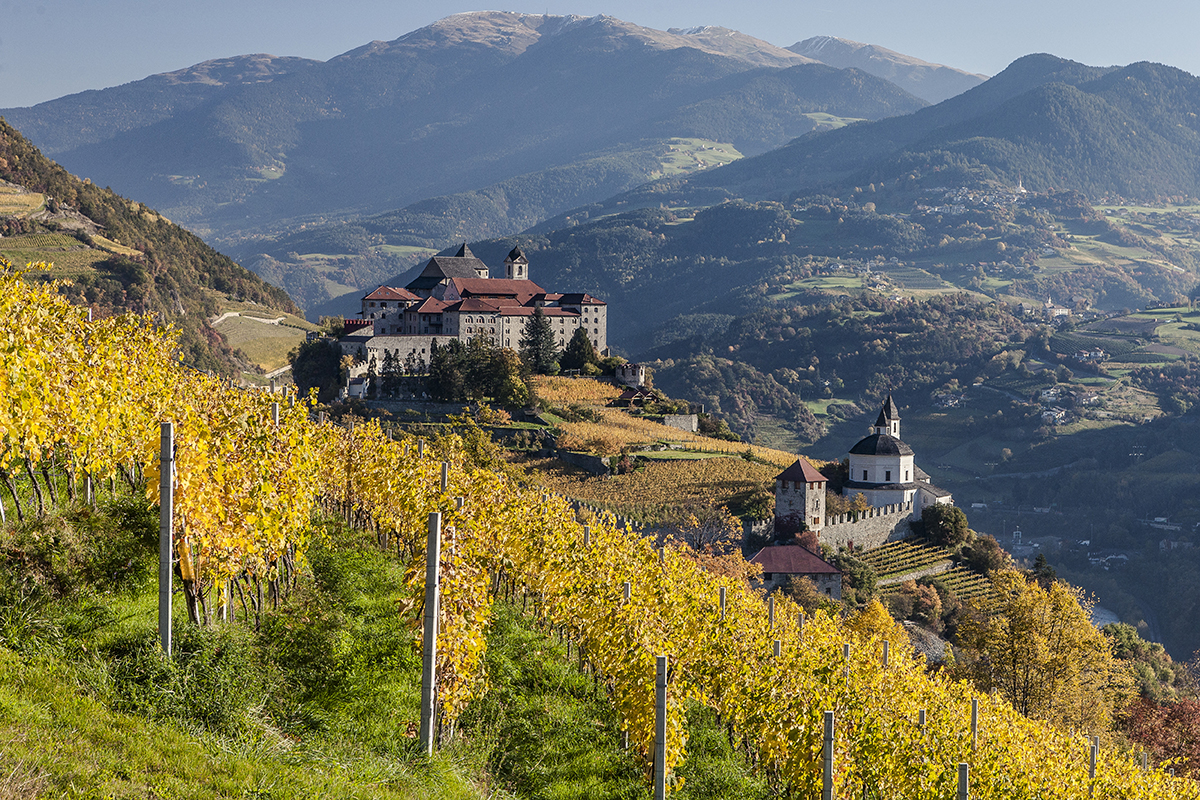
(781,562)
(631,374)
(800,488)
(454,298)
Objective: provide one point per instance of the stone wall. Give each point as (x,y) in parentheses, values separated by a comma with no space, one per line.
(597,465)
(872,528)
(684,422)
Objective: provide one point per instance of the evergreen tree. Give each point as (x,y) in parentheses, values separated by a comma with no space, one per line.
(537,343)
(372,379)
(391,373)
(580,351)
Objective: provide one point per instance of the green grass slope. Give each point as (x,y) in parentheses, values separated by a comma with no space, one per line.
(321,702)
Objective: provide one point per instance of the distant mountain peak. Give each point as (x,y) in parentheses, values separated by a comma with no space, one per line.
(931,82)
(513,32)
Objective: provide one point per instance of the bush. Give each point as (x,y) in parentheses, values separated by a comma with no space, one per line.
(946,525)
(985,554)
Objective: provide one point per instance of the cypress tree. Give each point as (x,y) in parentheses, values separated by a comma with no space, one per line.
(537,343)
(580,351)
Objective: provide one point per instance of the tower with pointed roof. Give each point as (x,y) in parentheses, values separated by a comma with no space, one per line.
(889,419)
(800,488)
(516,265)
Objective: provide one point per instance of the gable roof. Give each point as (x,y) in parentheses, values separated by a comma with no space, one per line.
(515,255)
(441,267)
(792,559)
(579,299)
(391,293)
(801,472)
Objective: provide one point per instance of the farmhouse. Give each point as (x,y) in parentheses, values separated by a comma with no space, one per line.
(781,562)
(454,298)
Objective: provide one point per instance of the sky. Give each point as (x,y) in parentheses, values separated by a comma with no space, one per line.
(50,49)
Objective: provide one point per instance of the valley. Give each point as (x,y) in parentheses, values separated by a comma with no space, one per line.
(776,245)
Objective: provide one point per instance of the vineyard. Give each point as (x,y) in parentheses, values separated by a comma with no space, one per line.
(897,559)
(650,492)
(617,431)
(567,391)
(250,472)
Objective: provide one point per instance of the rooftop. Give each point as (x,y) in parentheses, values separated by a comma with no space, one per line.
(801,472)
(793,560)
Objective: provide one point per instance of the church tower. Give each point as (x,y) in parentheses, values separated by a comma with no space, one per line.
(889,419)
(516,266)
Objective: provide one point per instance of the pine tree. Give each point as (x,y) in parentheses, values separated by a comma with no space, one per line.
(580,351)
(537,344)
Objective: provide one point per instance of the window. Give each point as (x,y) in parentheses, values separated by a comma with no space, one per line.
(906,476)
(864,474)
(767,576)
(816,520)
(887,476)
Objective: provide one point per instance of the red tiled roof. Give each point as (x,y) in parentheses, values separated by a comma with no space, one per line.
(793,560)
(580,298)
(801,472)
(474,304)
(391,293)
(431,305)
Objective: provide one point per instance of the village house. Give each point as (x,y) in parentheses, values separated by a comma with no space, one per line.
(454,298)
(785,561)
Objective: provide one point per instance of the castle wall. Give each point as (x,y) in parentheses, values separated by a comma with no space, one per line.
(872,528)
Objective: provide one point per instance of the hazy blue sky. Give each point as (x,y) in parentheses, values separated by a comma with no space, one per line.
(48,49)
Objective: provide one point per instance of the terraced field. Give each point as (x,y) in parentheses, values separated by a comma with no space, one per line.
(68,255)
(966,583)
(894,561)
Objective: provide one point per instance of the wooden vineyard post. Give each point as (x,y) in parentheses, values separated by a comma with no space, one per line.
(885,652)
(964,782)
(1095,751)
(771,612)
(660,728)
(827,758)
(445,475)
(166,461)
(626,590)
(974,723)
(722,601)
(777,649)
(433,555)
(800,626)
(275,414)
(587,535)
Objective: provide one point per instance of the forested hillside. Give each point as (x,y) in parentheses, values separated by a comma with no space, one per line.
(120,255)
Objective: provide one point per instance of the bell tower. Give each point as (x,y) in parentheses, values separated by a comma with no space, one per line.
(516,266)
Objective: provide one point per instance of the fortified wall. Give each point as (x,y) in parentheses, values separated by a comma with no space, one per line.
(871,528)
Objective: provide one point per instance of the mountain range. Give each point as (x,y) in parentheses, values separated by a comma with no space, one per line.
(478,125)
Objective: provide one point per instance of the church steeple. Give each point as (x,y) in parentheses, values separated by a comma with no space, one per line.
(516,266)
(889,419)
